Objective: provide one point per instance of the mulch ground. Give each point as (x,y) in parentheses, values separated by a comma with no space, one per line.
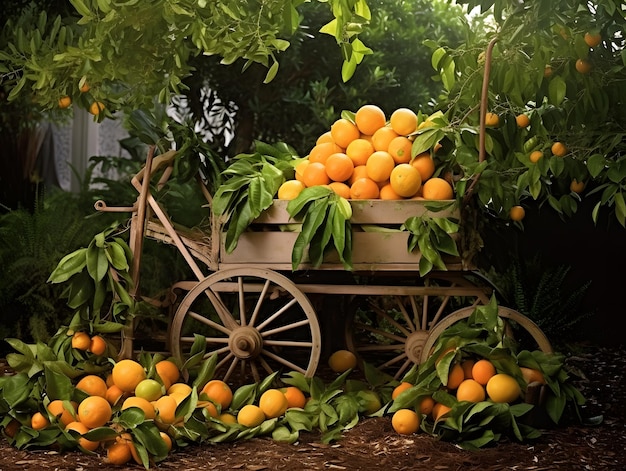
(373,444)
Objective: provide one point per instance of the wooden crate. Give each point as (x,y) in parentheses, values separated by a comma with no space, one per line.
(270,243)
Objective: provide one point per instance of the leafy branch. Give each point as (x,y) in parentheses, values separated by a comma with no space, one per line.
(251,182)
(91,274)
(433,236)
(326,219)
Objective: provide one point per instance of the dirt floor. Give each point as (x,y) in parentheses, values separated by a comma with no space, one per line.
(373,443)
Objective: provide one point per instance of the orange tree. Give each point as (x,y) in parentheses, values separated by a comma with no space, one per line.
(125,53)
(562,65)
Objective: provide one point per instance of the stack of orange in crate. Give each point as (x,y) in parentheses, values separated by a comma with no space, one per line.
(370,158)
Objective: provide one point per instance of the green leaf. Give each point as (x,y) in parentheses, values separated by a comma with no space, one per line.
(97,263)
(69,265)
(58,384)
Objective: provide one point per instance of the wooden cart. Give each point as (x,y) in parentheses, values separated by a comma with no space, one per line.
(260,316)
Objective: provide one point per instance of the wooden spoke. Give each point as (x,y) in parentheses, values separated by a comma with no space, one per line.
(389,330)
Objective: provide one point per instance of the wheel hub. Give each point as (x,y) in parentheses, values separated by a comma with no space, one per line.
(245,342)
(415,344)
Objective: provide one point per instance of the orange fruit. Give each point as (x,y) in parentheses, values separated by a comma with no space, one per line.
(142,403)
(341,361)
(211,410)
(369,119)
(165,408)
(127,374)
(440,410)
(114,394)
(535,156)
(583,66)
(85,87)
(326,137)
(65,102)
(39,421)
(295,397)
(517,213)
(94,411)
(364,188)
(388,193)
(559,149)
(250,415)
(532,375)
(344,132)
(289,190)
(96,108)
(382,137)
(426,405)
(593,39)
(467,366)
(482,371)
(64,415)
(133,449)
(321,152)
(168,371)
(492,120)
(470,390)
(219,392)
(273,403)
(149,389)
(503,388)
(360,171)
(167,439)
(403,121)
(93,385)
(339,167)
(315,174)
(227,418)
(576,186)
(341,189)
(179,391)
(437,189)
(425,164)
(400,149)
(379,166)
(359,151)
(299,168)
(118,453)
(405,421)
(405,180)
(98,345)
(403,386)
(455,377)
(81,341)
(83,429)
(522,120)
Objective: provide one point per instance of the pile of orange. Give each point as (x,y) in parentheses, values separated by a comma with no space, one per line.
(99,399)
(370,157)
(157,393)
(472,380)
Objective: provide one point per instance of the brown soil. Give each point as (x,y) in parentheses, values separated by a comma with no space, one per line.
(373,443)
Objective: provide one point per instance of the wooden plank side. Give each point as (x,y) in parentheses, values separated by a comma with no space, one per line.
(370,248)
(363,212)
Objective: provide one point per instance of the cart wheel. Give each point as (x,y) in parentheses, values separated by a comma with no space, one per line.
(257,321)
(390,331)
(518,327)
